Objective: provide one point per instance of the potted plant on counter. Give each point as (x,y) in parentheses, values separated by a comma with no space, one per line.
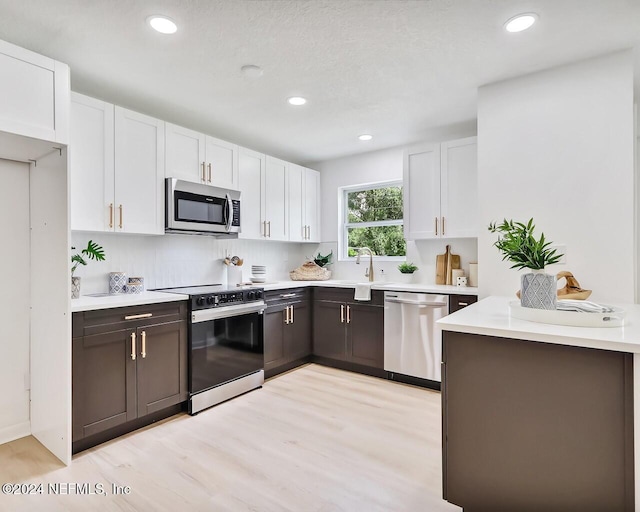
(406,272)
(518,245)
(93,251)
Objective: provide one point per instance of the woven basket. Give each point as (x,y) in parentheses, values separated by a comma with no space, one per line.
(310,272)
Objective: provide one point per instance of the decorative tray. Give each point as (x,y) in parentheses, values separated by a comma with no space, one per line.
(614,317)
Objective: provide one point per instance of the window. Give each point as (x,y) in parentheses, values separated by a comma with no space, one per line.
(372,217)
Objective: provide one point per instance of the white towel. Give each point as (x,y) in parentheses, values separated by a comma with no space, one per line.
(363,292)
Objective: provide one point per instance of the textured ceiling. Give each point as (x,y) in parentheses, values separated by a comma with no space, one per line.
(397,69)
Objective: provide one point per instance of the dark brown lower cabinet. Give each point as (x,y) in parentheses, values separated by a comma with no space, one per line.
(533,427)
(124,374)
(287,330)
(348,332)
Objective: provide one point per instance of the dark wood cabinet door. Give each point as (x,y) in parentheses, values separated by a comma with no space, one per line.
(298,332)
(329,337)
(457,302)
(274,335)
(161,366)
(365,335)
(103,382)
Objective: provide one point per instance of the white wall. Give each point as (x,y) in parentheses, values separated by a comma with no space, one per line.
(371,167)
(14,300)
(558,146)
(182,260)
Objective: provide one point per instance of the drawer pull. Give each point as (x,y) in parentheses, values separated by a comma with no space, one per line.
(137,317)
(287,295)
(463,303)
(133,346)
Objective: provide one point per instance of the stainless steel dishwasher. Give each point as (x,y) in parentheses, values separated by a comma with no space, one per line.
(412,342)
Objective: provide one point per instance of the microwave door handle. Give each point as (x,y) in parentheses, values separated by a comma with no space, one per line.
(229,212)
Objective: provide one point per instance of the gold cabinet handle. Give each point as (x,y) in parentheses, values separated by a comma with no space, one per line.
(292,320)
(348,314)
(443,226)
(137,317)
(204,172)
(269,223)
(120,208)
(341,313)
(209,172)
(286,315)
(111,215)
(133,346)
(144,344)
(436,226)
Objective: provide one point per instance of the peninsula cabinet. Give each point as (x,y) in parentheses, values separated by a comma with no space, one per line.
(129,368)
(196,157)
(346,333)
(117,169)
(34,95)
(440,190)
(287,330)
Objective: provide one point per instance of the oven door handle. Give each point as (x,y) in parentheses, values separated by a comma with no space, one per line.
(205,315)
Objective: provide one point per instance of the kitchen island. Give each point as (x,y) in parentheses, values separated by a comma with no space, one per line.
(538,416)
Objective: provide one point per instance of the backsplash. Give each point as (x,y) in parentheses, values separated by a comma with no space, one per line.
(183,260)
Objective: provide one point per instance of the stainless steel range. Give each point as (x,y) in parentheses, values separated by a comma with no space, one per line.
(226,342)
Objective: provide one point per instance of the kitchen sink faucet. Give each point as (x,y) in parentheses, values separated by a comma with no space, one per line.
(369,272)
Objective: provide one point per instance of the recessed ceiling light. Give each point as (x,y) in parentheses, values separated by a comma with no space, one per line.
(252,71)
(520,22)
(162,24)
(297,101)
(365,136)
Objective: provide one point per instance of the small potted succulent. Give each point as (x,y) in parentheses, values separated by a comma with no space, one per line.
(92,251)
(518,245)
(406,272)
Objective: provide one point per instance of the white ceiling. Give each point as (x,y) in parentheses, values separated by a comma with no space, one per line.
(397,69)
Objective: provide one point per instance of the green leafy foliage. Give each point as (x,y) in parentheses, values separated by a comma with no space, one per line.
(407,268)
(518,245)
(323,261)
(93,251)
(373,205)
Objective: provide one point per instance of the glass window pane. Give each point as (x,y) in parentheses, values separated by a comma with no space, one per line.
(374,204)
(382,240)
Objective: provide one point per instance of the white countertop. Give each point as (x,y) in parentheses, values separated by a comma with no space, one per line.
(87,303)
(376,285)
(490,317)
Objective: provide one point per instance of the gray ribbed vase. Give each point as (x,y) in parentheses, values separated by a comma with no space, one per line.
(538,290)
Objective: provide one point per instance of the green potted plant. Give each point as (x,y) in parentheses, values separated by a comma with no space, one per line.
(92,251)
(323,261)
(518,245)
(406,272)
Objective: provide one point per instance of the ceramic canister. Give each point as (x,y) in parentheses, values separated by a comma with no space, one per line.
(135,285)
(117,282)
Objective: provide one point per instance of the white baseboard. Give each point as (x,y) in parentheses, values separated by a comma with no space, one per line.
(14,432)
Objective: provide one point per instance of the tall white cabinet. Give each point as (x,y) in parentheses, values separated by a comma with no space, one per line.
(252,168)
(441,190)
(194,156)
(117,169)
(276,199)
(304,204)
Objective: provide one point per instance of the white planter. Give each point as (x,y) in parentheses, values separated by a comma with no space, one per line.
(406,278)
(538,290)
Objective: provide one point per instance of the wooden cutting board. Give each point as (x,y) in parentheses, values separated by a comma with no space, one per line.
(441,266)
(445,263)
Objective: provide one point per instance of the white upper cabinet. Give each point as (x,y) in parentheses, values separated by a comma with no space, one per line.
(276,199)
(91,154)
(297,228)
(116,168)
(139,164)
(251,168)
(196,157)
(440,190)
(311,205)
(34,95)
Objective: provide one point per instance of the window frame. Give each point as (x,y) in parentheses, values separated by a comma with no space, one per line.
(343,226)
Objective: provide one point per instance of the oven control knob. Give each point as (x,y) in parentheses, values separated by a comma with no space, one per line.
(210,300)
(200,301)
(258,294)
(251,295)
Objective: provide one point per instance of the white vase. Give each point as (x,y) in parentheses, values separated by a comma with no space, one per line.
(538,290)
(75,287)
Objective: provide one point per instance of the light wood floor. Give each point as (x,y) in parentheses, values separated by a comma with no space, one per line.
(312,440)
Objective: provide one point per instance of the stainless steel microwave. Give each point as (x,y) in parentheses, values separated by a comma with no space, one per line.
(195,208)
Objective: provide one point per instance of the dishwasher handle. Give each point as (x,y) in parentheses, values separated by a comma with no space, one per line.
(417,303)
